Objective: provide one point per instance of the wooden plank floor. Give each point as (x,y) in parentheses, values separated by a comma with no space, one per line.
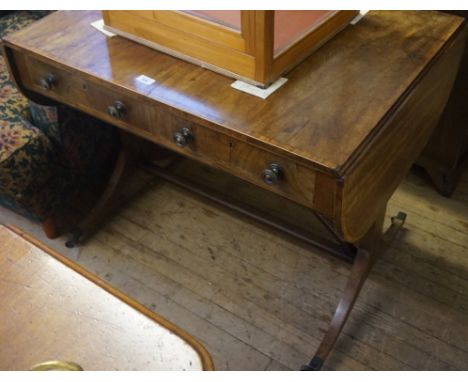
(259,300)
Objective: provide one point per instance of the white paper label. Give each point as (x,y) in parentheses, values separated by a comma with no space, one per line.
(145,80)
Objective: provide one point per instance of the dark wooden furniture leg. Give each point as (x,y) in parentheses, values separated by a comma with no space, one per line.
(133,153)
(367,253)
(49,226)
(446,154)
(108,200)
(443,178)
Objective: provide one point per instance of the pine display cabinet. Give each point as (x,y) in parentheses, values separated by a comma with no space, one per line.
(255,46)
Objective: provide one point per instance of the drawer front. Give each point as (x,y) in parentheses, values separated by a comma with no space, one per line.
(172,130)
(153,122)
(105,103)
(190,139)
(274,173)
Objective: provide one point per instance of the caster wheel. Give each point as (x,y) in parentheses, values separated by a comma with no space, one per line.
(400,217)
(70,243)
(73,241)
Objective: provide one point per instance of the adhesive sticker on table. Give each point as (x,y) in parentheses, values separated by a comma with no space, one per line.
(145,80)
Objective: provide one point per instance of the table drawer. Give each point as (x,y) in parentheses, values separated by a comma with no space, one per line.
(145,118)
(277,174)
(189,138)
(175,131)
(110,104)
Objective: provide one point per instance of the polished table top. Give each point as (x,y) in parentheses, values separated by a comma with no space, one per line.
(53,309)
(329,110)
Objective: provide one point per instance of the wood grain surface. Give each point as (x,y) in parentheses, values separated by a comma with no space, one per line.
(54,309)
(259,300)
(248,52)
(346,127)
(359,111)
(346,87)
(447,151)
(378,172)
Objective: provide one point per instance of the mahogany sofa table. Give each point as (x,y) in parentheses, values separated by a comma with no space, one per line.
(337,138)
(54,310)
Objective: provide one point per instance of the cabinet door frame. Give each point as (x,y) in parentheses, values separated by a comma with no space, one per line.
(191,38)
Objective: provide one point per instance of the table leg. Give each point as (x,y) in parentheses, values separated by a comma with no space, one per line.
(133,153)
(445,181)
(49,226)
(367,252)
(108,199)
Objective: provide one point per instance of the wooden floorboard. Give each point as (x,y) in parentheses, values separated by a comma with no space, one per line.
(260,300)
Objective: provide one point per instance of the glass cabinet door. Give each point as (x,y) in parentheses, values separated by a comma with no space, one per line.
(229,19)
(291,26)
